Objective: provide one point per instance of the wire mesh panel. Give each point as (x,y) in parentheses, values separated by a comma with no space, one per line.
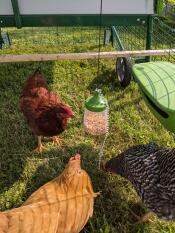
(83,39)
(132,37)
(163,38)
(52,40)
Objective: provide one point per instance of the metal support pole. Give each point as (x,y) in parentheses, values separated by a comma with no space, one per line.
(149,35)
(16,13)
(116,35)
(1,40)
(112,38)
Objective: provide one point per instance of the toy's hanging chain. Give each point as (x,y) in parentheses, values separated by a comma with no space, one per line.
(98,71)
(105,137)
(99,38)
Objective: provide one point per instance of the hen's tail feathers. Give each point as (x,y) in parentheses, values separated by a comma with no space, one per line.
(3,223)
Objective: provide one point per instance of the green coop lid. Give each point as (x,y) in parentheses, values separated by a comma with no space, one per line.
(157,84)
(157,80)
(96,103)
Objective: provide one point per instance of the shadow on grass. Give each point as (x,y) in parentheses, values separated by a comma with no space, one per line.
(128,103)
(14,132)
(106,80)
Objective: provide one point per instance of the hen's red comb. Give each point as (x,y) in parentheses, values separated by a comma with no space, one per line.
(68,110)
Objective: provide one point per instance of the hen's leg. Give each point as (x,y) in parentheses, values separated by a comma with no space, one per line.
(56,140)
(141,219)
(40,147)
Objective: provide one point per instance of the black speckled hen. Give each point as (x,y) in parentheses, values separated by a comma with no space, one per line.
(151,170)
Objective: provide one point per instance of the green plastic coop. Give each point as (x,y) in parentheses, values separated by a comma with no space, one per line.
(58,13)
(24,13)
(157,84)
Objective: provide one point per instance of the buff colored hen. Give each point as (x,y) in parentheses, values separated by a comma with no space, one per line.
(63,205)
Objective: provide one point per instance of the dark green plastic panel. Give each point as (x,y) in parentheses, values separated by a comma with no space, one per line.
(73,20)
(157,83)
(149,35)
(17,16)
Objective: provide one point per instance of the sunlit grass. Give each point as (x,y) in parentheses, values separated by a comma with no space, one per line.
(22,171)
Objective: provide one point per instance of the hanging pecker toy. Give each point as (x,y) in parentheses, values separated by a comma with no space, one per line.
(96,117)
(96,114)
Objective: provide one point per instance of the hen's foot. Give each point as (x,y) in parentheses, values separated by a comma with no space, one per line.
(56,140)
(39,148)
(141,219)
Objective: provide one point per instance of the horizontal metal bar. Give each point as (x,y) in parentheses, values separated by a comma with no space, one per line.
(73,20)
(81,56)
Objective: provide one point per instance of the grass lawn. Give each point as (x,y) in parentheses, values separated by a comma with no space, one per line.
(22,171)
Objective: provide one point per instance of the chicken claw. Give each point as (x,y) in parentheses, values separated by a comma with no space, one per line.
(56,140)
(141,219)
(40,147)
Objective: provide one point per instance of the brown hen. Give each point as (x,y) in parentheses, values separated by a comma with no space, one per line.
(44,111)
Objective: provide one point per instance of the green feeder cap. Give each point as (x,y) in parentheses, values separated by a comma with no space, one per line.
(96,103)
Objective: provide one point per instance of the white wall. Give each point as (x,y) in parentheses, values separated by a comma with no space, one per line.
(78,7)
(6,7)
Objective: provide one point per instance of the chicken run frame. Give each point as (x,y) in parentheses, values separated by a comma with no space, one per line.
(128,25)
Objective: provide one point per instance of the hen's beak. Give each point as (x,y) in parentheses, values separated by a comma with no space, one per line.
(71,115)
(75,162)
(75,157)
(104,166)
(68,115)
